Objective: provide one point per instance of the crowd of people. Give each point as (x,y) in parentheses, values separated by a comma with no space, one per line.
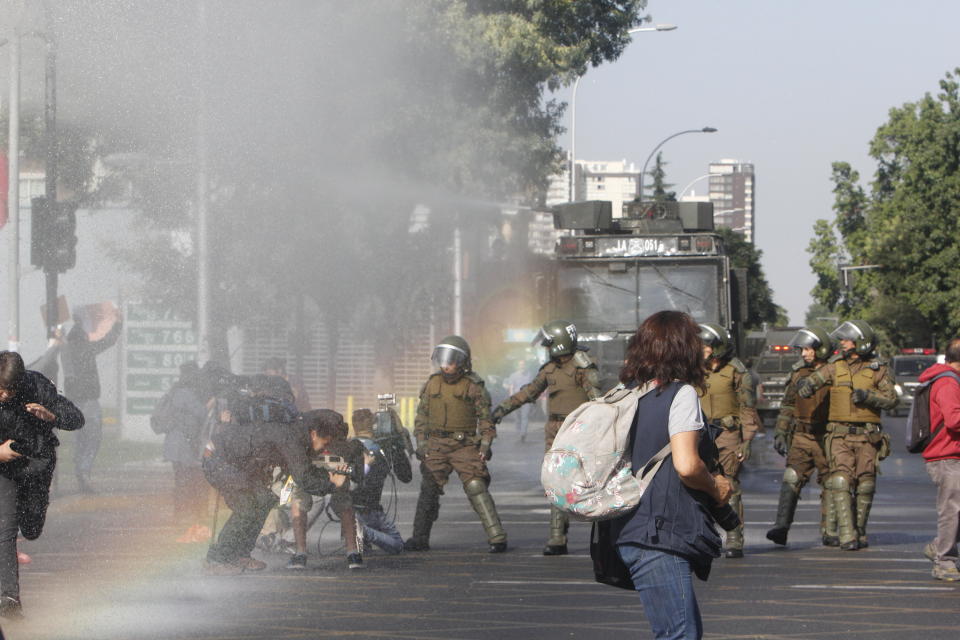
(255,443)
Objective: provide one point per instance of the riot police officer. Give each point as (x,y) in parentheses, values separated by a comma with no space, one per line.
(860,387)
(799,434)
(454,433)
(570,379)
(730,402)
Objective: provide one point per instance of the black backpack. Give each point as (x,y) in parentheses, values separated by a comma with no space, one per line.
(918,431)
(164,418)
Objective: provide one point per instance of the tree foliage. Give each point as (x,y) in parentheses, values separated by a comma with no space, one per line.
(316,164)
(760,305)
(660,186)
(907,225)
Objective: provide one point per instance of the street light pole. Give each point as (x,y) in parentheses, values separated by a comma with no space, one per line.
(691,183)
(643,172)
(13,191)
(573,111)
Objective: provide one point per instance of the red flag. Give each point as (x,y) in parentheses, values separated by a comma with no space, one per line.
(4,188)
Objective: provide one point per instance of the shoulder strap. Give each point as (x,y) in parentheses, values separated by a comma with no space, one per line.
(650,469)
(945,374)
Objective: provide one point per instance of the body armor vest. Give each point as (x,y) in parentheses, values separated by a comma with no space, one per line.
(564,392)
(449,407)
(812,410)
(720,399)
(845,381)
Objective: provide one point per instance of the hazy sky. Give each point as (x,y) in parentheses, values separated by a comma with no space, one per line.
(791,86)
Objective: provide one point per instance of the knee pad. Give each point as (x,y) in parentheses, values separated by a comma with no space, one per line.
(867,486)
(792,478)
(474,487)
(838,482)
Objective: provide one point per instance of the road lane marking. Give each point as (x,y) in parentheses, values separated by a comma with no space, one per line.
(542,582)
(849,559)
(868,587)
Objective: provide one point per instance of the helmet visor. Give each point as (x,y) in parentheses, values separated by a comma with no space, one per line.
(805,338)
(847,331)
(709,336)
(446,354)
(541,339)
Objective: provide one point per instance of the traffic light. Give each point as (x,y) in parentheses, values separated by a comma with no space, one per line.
(53,242)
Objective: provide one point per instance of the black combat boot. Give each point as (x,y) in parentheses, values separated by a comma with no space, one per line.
(557,543)
(428,508)
(786,508)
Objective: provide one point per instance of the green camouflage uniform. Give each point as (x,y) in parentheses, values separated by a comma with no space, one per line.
(855,440)
(452,428)
(569,382)
(730,402)
(802,422)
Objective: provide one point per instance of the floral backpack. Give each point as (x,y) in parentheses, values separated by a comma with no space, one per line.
(587,472)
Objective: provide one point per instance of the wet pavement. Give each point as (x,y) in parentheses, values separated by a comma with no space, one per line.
(107,567)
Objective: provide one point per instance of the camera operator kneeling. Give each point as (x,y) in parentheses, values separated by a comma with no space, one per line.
(30,408)
(671,533)
(239,463)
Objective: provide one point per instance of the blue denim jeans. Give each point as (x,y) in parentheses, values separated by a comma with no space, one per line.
(665,585)
(380,530)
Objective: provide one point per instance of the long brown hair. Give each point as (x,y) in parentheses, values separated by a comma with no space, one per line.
(666,347)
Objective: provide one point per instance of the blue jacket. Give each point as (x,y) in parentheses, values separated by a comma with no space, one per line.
(671,517)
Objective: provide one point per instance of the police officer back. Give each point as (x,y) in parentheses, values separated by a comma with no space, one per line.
(730,402)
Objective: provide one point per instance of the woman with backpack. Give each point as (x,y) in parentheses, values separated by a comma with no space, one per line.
(671,533)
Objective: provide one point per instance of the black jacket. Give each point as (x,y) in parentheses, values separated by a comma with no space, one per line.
(368,494)
(34,438)
(81,379)
(255,448)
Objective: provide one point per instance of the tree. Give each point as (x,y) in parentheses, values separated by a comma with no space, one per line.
(760,305)
(906,230)
(658,178)
(431,102)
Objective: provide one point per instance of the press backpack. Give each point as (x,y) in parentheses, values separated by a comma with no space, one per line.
(918,431)
(587,472)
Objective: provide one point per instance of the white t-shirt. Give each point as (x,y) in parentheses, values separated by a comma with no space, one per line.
(685,414)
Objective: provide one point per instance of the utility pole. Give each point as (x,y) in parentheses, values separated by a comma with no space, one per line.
(13,192)
(203,259)
(53,158)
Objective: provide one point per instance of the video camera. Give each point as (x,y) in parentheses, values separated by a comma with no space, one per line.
(393,438)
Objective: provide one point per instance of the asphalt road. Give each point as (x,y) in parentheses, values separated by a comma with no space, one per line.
(107,567)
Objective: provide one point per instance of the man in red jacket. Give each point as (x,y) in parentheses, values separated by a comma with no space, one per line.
(942,456)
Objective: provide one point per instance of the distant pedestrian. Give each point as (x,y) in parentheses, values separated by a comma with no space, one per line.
(30,408)
(514,382)
(942,456)
(670,534)
(81,383)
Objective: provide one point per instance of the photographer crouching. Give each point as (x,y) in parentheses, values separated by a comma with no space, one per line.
(30,408)
(238,462)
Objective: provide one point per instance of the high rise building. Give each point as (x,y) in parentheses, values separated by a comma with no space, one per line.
(732,186)
(614,181)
